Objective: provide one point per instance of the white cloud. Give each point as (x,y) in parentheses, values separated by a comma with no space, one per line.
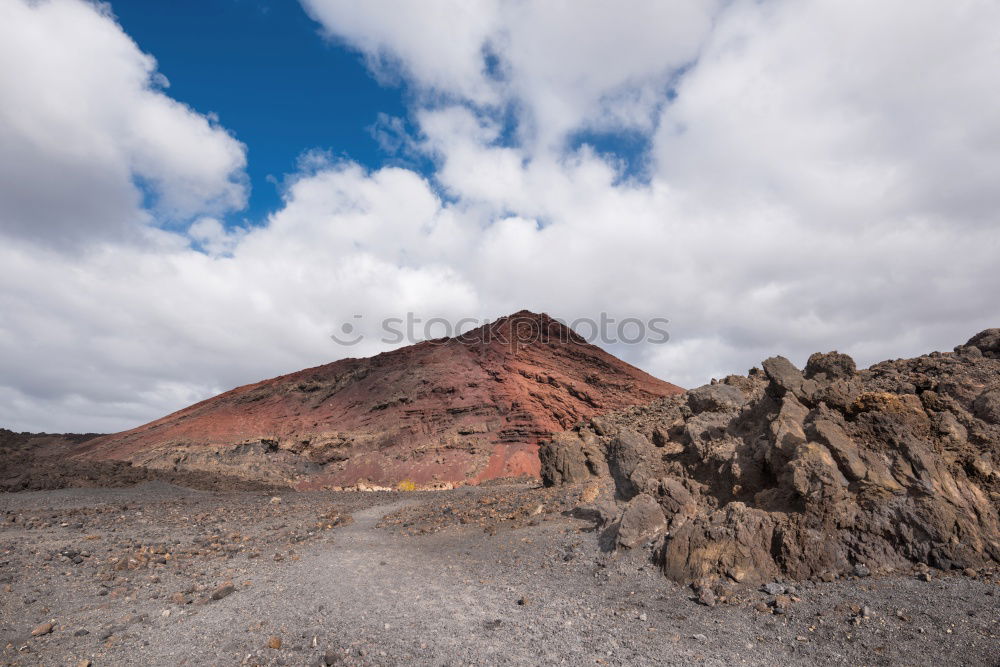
(824,178)
(82,118)
(565,64)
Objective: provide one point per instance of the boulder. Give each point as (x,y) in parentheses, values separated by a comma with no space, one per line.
(642,521)
(987,406)
(628,456)
(563,460)
(988,342)
(715,398)
(784,376)
(830,366)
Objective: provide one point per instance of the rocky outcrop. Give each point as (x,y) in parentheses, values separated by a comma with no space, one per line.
(450,411)
(808,474)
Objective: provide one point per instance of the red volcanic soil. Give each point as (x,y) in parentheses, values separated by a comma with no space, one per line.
(458,410)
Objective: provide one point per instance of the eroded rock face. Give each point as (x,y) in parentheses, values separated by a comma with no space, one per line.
(786,473)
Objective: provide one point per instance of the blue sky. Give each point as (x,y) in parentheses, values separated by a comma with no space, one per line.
(273,80)
(709,162)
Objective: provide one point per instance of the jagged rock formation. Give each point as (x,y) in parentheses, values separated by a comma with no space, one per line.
(806,474)
(458,410)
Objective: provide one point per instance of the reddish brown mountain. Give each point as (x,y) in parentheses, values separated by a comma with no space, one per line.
(458,410)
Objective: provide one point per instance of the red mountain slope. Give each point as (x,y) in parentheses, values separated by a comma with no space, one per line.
(459,410)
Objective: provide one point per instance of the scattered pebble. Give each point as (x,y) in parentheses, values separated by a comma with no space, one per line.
(43,629)
(223,591)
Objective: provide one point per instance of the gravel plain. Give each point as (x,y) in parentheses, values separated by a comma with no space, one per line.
(160,574)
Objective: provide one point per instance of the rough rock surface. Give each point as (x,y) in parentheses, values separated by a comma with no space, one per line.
(811,475)
(442,412)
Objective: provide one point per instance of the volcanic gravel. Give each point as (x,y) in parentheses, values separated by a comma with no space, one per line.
(159,574)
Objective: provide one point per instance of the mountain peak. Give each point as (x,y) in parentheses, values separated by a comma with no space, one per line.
(447,411)
(522,328)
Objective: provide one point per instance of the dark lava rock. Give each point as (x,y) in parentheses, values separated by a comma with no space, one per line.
(831,365)
(896,462)
(642,521)
(715,398)
(988,342)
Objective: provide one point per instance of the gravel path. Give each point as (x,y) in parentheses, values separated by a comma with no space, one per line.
(360,594)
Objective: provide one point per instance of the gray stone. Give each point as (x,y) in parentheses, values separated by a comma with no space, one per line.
(706,596)
(784,376)
(831,366)
(223,591)
(773,588)
(627,456)
(642,521)
(988,342)
(563,460)
(715,398)
(987,406)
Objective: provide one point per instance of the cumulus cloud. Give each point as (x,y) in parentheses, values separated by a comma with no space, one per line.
(568,64)
(821,175)
(86,132)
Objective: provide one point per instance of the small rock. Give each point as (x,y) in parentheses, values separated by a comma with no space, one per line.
(970,572)
(924,576)
(223,591)
(275,500)
(706,597)
(700,637)
(773,588)
(84,663)
(274,642)
(524,601)
(43,629)
(642,617)
(781,603)
(81,633)
(331,658)
(761,607)
(866,612)
(861,571)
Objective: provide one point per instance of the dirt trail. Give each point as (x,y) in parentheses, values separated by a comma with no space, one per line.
(361,594)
